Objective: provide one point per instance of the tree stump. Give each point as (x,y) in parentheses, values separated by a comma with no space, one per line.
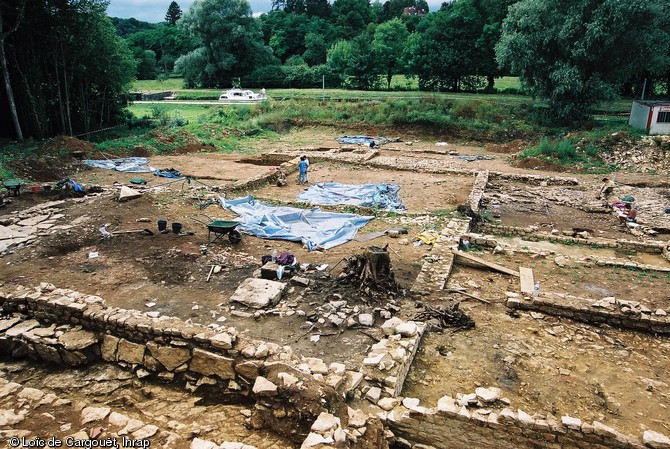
(371,271)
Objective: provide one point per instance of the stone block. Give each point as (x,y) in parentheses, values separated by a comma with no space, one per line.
(126,194)
(78,340)
(109,347)
(655,440)
(258,293)
(130,352)
(248,370)
(208,363)
(325,422)
(264,386)
(170,357)
(48,354)
(73,358)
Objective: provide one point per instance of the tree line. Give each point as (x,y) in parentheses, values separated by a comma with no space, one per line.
(66,65)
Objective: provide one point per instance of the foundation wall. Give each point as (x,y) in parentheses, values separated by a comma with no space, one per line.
(60,326)
(532,235)
(623,314)
(450,426)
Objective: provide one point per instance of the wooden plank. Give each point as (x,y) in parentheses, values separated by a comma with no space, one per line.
(527,280)
(491,265)
(456,290)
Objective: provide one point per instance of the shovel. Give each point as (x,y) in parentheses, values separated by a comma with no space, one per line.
(140,231)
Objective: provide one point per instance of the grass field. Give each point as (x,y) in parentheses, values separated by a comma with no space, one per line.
(401,82)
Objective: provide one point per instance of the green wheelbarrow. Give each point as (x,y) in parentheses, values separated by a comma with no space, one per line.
(216,229)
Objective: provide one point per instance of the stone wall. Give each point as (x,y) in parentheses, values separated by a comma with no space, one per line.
(477,192)
(302,399)
(449,167)
(488,241)
(388,362)
(531,234)
(67,327)
(436,269)
(612,311)
(481,420)
(265,177)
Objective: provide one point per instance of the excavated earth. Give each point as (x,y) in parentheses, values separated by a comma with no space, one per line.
(543,364)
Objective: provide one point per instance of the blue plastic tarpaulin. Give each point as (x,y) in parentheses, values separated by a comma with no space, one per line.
(366,140)
(126,164)
(383,196)
(313,227)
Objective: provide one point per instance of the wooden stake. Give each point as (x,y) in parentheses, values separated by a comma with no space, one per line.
(210,273)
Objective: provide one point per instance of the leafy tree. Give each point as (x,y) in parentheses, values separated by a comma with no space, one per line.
(126,27)
(457,45)
(146,64)
(338,59)
(289,6)
(351,17)
(74,74)
(315,49)
(173,14)
(574,53)
(318,8)
(230,43)
(167,42)
(286,34)
(351,62)
(389,41)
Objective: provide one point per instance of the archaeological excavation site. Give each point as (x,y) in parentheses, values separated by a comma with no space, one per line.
(464,302)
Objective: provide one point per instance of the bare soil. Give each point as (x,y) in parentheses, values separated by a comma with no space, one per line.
(544,364)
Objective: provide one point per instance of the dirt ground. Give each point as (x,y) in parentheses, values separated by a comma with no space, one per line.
(544,364)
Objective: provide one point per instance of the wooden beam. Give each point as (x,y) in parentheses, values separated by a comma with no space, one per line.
(456,290)
(527,280)
(481,262)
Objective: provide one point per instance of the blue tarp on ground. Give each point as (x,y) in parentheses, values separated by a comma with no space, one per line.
(313,227)
(126,164)
(366,140)
(383,196)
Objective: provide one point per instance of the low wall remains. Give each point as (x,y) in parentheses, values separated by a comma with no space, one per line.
(531,234)
(303,399)
(477,192)
(611,311)
(481,420)
(62,326)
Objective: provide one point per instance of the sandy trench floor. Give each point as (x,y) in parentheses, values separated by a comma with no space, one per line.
(543,364)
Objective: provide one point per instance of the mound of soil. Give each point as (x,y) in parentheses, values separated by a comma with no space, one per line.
(513,146)
(48,168)
(67,145)
(194,148)
(533,163)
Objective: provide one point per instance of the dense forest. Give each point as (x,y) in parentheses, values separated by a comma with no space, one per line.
(67,66)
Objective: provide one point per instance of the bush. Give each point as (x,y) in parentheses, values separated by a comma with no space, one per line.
(466,109)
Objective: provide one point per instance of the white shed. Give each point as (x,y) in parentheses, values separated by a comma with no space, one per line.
(653,116)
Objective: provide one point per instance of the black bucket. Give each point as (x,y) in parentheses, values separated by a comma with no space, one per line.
(162,225)
(176,228)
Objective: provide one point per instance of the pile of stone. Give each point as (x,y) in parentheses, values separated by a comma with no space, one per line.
(648,154)
(29,413)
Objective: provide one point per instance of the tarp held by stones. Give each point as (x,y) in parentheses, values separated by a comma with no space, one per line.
(313,227)
(125,164)
(366,140)
(382,196)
